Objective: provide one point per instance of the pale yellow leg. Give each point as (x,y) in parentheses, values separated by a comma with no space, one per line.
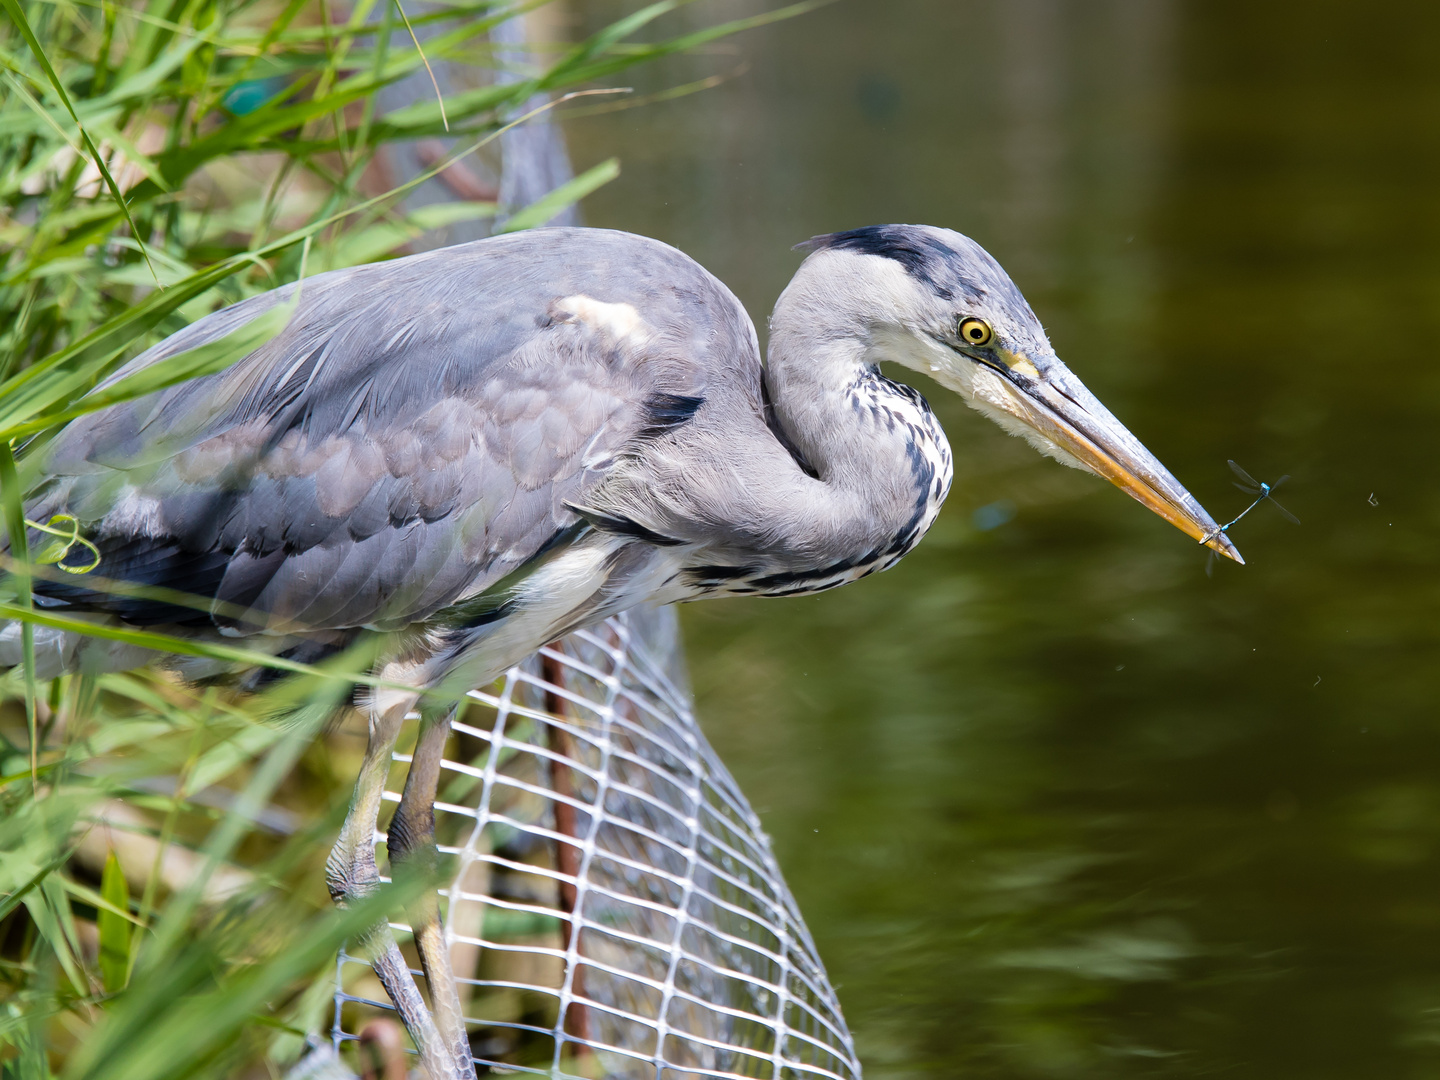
(412,846)
(352,875)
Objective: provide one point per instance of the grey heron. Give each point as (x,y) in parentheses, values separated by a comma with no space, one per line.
(476,450)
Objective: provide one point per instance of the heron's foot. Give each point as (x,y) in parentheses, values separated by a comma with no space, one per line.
(352,875)
(394,975)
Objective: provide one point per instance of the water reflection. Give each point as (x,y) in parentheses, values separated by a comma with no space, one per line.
(1055,804)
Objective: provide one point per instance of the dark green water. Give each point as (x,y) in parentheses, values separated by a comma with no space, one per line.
(1055,803)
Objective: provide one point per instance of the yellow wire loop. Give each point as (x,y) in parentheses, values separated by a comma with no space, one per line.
(54,552)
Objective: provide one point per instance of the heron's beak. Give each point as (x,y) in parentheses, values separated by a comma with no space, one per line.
(1058,407)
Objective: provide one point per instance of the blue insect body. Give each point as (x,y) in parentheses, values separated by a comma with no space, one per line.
(1261,491)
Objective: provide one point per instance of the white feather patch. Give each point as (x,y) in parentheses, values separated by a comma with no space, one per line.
(619,321)
(133,514)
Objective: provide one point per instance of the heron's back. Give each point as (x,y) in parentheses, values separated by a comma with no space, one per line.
(417,431)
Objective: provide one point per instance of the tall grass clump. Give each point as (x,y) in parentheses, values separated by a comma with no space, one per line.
(162,907)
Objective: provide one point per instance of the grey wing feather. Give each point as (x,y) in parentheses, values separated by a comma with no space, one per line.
(418,430)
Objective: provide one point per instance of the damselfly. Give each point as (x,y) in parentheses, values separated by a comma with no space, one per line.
(1262,491)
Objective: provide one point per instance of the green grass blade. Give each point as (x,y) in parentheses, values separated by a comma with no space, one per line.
(64,374)
(14,516)
(439,97)
(23,25)
(86,361)
(546,207)
(573,71)
(221,844)
(167,643)
(14,897)
(194,363)
(50,912)
(114,928)
(168,1032)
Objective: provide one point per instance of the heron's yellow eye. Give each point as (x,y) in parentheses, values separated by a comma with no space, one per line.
(975,332)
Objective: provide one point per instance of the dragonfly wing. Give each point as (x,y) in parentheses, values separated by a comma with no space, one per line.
(1243,475)
(1288,516)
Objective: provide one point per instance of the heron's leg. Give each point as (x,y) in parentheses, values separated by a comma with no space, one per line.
(412,844)
(351,875)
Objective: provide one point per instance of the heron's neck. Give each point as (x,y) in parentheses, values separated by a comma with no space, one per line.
(873,444)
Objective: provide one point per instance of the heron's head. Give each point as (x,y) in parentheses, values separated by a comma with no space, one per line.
(936,302)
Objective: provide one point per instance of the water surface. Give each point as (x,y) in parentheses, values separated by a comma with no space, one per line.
(1055,803)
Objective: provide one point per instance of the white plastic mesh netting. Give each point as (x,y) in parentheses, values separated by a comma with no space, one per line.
(615,908)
